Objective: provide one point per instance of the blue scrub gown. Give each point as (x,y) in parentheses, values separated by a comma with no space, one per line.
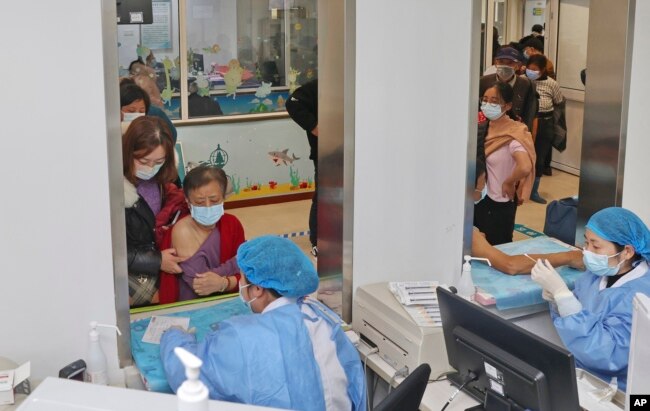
(599,335)
(265,359)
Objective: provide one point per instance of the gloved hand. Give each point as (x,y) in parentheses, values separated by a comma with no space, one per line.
(554,288)
(547,296)
(545,275)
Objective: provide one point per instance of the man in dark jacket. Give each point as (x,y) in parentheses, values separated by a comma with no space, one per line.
(524,104)
(302,106)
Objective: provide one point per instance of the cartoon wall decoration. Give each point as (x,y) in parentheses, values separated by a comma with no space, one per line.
(219,157)
(293,79)
(282,157)
(243,153)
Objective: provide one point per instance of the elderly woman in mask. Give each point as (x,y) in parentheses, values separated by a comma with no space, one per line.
(595,320)
(208,239)
(151,201)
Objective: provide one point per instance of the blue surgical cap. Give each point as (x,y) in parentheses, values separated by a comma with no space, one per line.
(277,263)
(622,227)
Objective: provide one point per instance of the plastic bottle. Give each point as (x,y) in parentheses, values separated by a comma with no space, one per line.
(96,366)
(192,394)
(466,287)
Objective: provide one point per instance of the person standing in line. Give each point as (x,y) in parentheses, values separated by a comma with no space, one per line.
(549,97)
(302,106)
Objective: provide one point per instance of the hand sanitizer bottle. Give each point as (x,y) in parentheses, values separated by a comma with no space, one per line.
(192,394)
(96,368)
(466,288)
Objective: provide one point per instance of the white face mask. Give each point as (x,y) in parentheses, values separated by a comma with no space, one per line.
(147,173)
(132,116)
(241,296)
(491,110)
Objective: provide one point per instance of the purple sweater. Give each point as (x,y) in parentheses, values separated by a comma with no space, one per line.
(206,258)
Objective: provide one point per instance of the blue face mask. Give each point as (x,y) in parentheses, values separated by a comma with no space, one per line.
(532,74)
(147,173)
(491,110)
(483,194)
(207,216)
(241,296)
(598,264)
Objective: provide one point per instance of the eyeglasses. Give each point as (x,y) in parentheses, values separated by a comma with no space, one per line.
(492,100)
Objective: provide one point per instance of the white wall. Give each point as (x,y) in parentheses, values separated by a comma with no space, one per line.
(636,190)
(55,241)
(411,140)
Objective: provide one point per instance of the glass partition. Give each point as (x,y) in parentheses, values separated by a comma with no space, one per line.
(156,46)
(242,56)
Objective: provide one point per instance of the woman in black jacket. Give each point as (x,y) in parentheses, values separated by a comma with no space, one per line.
(149,171)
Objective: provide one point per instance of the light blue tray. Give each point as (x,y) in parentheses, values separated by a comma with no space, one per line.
(515,291)
(205,320)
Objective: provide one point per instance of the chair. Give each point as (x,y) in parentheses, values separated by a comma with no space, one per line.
(408,395)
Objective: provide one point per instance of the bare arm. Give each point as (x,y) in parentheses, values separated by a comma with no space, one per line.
(523,167)
(520,264)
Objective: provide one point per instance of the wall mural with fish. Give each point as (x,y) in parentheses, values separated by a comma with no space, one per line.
(262,158)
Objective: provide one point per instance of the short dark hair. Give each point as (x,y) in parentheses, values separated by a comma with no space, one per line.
(539,60)
(534,43)
(537,28)
(505,91)
(203,175)
(130,92)
(143,136)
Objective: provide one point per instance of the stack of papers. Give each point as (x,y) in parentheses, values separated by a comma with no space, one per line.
(420,301)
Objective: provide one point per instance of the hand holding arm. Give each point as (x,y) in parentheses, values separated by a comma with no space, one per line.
(170,261)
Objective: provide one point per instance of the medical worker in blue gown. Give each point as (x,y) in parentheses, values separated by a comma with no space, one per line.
(291,353)
(595,320)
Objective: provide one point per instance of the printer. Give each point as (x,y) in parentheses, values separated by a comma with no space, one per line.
(382,322)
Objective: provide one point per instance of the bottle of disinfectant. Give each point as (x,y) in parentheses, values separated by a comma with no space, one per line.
(466,288)
(96,368)
(192,394)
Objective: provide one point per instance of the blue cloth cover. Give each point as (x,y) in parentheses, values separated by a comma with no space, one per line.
(275,262)
(599,335)
(205,320)
(622,227)
(514,291)
(265,359)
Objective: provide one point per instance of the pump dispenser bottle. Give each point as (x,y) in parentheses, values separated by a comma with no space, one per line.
(192,394)
(96,368)
(466,288)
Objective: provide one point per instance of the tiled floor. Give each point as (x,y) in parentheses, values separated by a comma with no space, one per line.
(292,217)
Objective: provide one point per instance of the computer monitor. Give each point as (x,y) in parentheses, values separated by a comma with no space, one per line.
(515,370)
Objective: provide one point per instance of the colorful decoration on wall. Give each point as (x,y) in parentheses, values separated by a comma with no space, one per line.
(219,157)
(280,102)
(168,91)
(203,84)
(282,157)
(143,52)
(293,77)
(212,50)
(233,78)
(265,104)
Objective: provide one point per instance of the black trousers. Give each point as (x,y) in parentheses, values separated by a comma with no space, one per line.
(496,220)
(543,143)
(313,211)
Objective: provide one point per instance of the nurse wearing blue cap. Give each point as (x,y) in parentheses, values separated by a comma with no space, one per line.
(291,353)
(595,320)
